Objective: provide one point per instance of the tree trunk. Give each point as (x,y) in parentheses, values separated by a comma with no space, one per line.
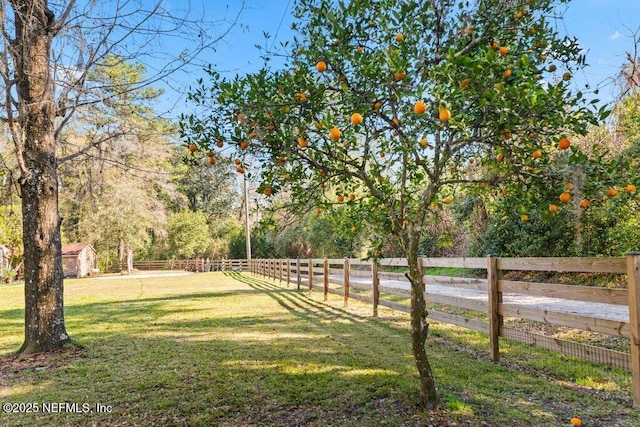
(44,314)
(429,398)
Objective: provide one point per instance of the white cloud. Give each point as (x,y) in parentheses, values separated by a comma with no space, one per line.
(616,35)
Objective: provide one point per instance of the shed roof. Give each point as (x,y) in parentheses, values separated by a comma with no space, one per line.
(72,249)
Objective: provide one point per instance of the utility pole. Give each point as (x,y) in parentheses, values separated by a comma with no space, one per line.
(247,228)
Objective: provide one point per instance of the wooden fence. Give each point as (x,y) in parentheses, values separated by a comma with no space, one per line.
(199,264)
(384,284)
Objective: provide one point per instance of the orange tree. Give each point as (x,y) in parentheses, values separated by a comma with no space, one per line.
(382,105)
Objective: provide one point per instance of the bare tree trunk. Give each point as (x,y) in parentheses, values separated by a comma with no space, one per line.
(44,315)
(429,398)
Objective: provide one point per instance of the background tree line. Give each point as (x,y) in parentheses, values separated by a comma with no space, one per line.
(127,181)
(137,187)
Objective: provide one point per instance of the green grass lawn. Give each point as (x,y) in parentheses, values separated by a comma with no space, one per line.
(231,350)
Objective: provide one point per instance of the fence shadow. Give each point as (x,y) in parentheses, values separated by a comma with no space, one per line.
(299,303)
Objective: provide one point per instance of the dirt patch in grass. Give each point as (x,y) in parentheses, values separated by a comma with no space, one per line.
(17,365)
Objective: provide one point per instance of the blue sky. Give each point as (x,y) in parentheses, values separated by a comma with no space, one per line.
(603,28)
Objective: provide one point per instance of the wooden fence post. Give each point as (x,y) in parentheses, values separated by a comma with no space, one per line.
(375,286)
(495,299)
(633,288)
(326,279)
(310,274)
(346,282)
(280,270)
(298,278)
(288,272)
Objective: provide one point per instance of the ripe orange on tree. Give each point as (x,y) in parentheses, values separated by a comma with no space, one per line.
(524,217)
(420,107)
(399,75)
(566,76)
(399,37)
(377,105)
(212,160)
(240,169)
(553,208)
(237,162)
(507,73)
(500,157)
(465,83)
(267,192)
(352,197)
(576,422)
(356,119)
(219,143)
(448,200)
(503,50)
(340,198)
(192,148)
(612,192)
(468,31)
(335,134)
(584,203)
(244,145)
(537,154)
(565,197)
(564,143)
(444,115)
(568,186)
(630,189)
(321,66)
(303,143)
(240,117)
(318,211)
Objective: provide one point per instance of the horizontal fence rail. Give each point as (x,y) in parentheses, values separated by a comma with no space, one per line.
(614,312)
(198,264)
